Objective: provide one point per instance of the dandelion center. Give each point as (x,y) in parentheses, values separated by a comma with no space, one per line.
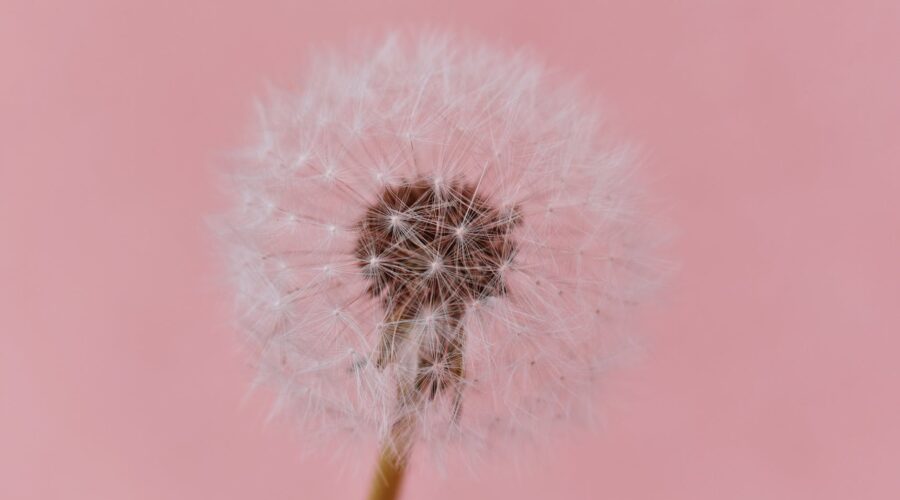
(429,262)
(430,266)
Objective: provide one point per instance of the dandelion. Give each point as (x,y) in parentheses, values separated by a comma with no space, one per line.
(432,247)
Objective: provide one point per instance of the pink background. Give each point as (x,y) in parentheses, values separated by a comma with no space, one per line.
(770,130)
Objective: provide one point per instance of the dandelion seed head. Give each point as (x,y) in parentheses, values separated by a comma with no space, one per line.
(459,227)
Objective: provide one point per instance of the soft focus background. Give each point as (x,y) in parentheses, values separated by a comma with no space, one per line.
(771,135)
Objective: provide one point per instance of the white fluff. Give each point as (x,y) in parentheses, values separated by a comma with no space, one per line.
(440,108)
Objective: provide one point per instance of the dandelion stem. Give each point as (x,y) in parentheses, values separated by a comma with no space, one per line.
(396,448)
(388,476)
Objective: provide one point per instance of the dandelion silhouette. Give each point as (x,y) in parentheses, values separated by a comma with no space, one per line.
(433,246)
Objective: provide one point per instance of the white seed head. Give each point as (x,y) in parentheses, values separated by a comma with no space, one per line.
(460,229)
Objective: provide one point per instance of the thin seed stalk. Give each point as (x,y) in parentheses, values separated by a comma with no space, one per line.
(395,451)
(389,473)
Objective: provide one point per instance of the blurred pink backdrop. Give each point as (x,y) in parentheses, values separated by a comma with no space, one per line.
(770,132)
